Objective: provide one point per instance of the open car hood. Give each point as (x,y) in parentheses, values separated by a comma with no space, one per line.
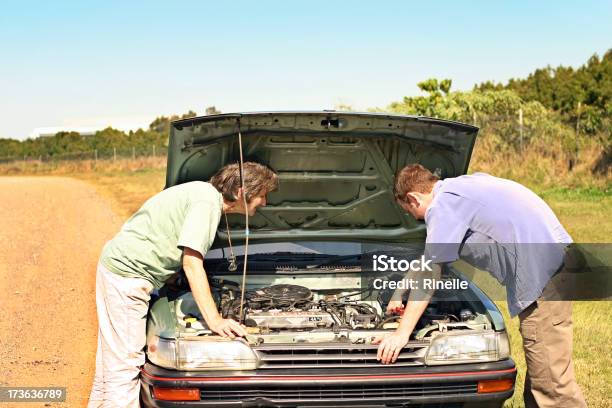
(336,169)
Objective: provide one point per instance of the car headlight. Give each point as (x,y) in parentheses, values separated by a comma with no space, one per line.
(201,354)
(468,348)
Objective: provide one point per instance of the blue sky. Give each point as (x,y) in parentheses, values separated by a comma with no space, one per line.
(87,63)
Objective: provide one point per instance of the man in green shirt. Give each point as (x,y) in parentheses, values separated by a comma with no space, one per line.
(173,229)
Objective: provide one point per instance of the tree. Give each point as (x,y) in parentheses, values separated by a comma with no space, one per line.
(104,141)
(582,96)
(212,110)
(161,124)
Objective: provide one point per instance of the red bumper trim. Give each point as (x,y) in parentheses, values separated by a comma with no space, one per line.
(324,377)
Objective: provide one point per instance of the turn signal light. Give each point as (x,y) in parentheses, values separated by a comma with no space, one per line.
(176,394)
(486,386)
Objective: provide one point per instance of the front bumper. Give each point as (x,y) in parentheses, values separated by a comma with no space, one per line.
(441,386)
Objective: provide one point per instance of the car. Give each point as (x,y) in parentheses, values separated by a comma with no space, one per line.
(309,298)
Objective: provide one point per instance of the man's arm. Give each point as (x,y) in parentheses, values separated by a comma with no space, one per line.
(391,345)
(395,304)
(193,265)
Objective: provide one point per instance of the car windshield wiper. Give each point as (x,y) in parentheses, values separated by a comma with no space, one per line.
(339,258)
(276,257)
(283,256)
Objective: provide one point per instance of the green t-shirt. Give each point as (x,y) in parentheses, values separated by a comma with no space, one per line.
(150,244)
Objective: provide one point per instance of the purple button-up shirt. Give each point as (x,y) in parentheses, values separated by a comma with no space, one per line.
(500,226)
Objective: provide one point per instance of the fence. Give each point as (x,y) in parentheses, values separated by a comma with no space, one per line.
(97,154)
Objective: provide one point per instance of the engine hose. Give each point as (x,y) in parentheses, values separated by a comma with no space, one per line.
(387,320)
(369,289)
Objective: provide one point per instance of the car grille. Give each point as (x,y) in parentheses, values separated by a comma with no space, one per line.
(334,355)
(387,392)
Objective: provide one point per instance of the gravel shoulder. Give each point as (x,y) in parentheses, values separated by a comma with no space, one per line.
(52,230)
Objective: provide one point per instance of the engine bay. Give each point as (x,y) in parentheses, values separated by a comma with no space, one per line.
(289,313)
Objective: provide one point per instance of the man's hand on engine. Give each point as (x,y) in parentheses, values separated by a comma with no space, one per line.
(227,328)
(390,346)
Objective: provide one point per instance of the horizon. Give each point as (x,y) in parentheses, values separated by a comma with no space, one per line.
(112,64)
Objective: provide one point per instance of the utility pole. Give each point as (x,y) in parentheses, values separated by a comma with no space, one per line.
(575,158)
(521,129)
(578,120)
(114,154)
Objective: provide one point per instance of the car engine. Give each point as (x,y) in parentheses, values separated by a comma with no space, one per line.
(288,313)
(287,306)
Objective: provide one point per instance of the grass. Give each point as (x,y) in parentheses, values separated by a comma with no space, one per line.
(127,190)
(584,211)
(592,339)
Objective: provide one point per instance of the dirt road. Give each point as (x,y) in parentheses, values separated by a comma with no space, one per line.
(51,232)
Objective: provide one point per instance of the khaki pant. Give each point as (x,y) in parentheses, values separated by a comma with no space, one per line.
(546,328)
(122,305)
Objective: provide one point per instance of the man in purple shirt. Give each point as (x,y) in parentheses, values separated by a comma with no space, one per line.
(504,228)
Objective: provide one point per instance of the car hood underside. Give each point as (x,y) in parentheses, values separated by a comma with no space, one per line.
(336,169)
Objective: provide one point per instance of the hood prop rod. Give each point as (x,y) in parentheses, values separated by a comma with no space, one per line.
(246,216)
